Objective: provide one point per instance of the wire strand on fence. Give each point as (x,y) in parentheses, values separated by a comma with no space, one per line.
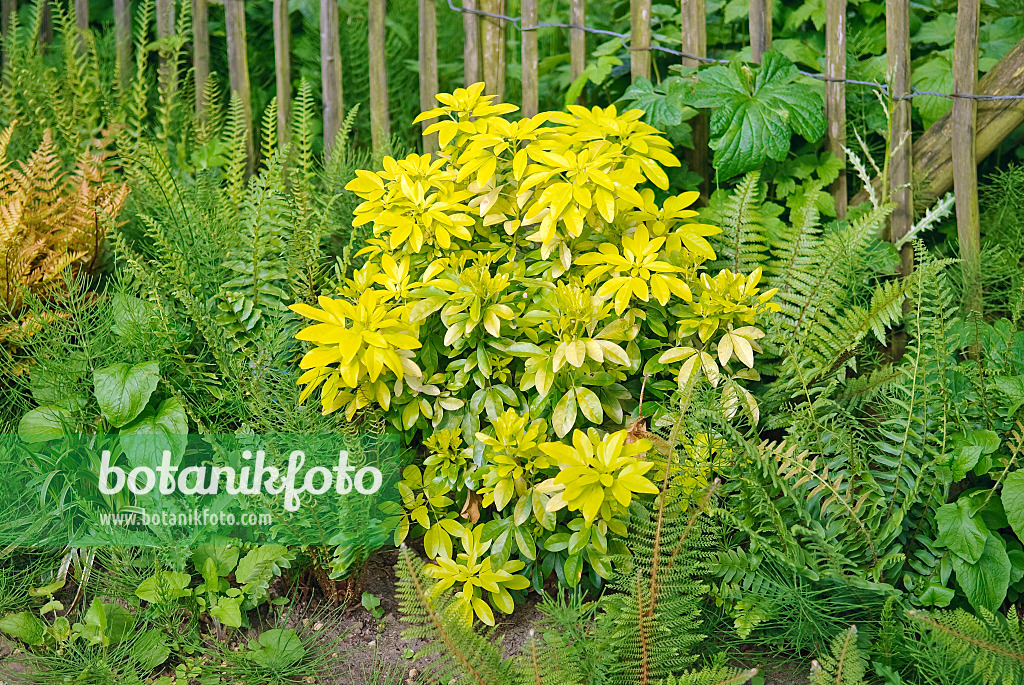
(624,37)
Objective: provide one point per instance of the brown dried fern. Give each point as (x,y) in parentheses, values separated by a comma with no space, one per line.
(50,219)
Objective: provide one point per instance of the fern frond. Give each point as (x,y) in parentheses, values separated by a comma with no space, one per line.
(268,135)
(747,224)
(234,140)
(714,675)
(992,645)
(845,665)
(453,651)
(651,619)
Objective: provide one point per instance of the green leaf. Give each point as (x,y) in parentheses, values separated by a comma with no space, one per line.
(45,423)
(985,582)
(573,569)
(937,596)
(589,404)
(939,30)
(151,649)
(935,73)
(123,391)
(24,626)
(163,586)
(277,649)
(1012,496)
(756,113)
(1013,388)
(262,564)
(1016,557)
(145,439)
(564,416)
(964,534)
(228,610)
(130,314)
(662,103)
(224,558)
(94,625)
(120,622)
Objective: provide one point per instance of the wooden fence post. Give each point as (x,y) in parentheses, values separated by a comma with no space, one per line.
(835,91)
(123,30)
(492,39)
(531,66)
(577,38)
(330,72)
(965,163)
(760,28)
(164,29)
(428,67)
(693,16)
(7,7)
(997,119)
(283,67)
(471,48)
(897,38)
(640,39)
(238,68)
(380,124)
(200,53)
(46,26)
(82,22)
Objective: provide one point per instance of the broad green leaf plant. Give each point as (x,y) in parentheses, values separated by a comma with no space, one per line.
(530,282)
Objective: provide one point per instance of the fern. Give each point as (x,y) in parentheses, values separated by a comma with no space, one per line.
(992,645)
(136,105)
(268,137)
(208,128)
(747,224)
(845,665)
(651,619)
(233,139)
(259,287)
(50,220)
(452,650)
(714,675)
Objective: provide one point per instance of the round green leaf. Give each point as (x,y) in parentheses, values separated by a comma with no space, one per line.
(123,391)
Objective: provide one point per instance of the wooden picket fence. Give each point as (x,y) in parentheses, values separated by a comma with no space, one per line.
(945,155)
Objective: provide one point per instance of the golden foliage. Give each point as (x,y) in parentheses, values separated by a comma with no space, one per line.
(50,219)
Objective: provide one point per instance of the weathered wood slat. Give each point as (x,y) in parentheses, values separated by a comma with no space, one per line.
(577,38)
(330,72)
(46,26)
(283,67)
(640,39)
(695,42)
(123,32)
(7,8)
(531,64)
(897,37)
(82,21)
(380,122)
(965,163)
(238,68)
(165,29)
(471,48)
(835,94)
(760,28)
(996,119)
(428,67)
(492,39)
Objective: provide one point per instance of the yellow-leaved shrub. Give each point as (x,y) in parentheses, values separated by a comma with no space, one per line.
(533,278)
